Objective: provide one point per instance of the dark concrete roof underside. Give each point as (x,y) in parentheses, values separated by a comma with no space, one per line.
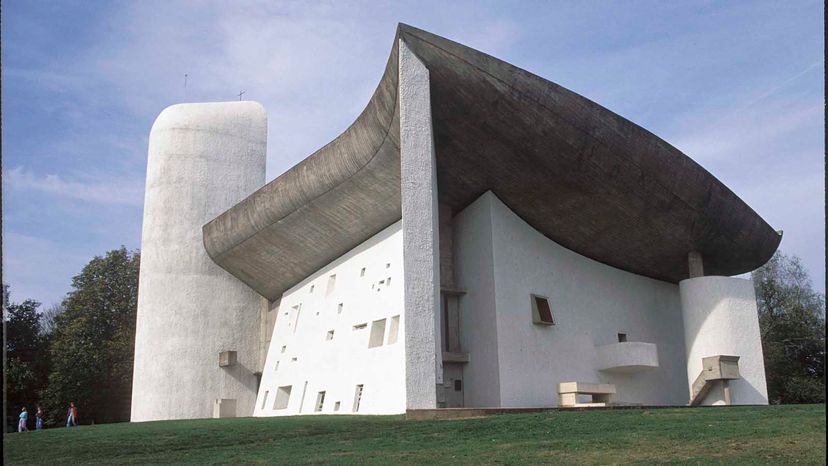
(581,175)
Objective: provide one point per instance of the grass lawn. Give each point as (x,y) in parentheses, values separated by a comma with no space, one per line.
(746,435)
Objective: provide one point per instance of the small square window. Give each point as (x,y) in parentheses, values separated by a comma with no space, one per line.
(458,385)
(282,397)
(362,272)
(311,288)
(622,337)
(284,348)
(336,406)
(330,335)
(339,308)
(541,312)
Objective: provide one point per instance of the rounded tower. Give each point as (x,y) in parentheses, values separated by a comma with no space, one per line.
(721,329)
(203,159)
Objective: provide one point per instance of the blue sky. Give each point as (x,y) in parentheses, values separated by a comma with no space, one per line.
(738,86)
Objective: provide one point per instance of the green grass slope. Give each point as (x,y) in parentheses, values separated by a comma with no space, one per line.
(745,435)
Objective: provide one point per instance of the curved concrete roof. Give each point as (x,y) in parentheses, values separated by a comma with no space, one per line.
(580,174)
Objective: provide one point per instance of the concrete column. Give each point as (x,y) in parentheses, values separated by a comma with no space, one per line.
(420,223)
(695,264)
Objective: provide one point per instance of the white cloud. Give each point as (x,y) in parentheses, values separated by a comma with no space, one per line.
(124,191)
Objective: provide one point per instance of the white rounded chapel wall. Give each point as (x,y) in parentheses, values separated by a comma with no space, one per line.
(203,158)
(720,318)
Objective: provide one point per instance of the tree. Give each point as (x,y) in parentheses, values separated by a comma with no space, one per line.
(47,319)
(792,325)
(93,340)
(26,364)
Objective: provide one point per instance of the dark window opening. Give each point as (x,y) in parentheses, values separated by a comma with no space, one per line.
(458,385)
(541,312)
(622,337)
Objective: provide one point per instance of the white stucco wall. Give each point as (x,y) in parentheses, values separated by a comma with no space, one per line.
(338,365)
(420,223)
(474,272)
(591,303)
(721,318)
(203,158)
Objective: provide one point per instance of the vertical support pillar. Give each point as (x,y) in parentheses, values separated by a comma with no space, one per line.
(420,223)
(695,264)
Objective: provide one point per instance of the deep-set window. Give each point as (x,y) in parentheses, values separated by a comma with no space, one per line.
(622,337)
(377,333)
(320,401)
(541,311)
(357,397)
(282,397)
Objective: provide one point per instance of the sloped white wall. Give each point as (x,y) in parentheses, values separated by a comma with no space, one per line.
(309,310)
(591,303)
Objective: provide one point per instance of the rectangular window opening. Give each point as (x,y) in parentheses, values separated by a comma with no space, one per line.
(264,400)
(541,312)
(360,326)
(458,385)
(388,281)
(394,330)
(330,335)
(331,284)
(377,333)
(312,287)
(622,337)
(277,366)
(284,348)
(320,401)
(357,397)
(336,406)
(282,397)
(339,308)
(362,272)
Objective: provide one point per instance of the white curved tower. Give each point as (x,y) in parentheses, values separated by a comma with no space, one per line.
(720,318)
(203,159)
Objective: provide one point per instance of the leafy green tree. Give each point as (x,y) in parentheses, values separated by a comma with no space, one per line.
(26,364)
(792,324)
(93,340)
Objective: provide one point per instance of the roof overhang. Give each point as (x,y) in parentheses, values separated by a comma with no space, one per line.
(583,176)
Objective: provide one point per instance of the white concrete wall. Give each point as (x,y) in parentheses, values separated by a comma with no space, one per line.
(420,222)
(721,318)
(474,272)
(591,303)
(203,158)
(336,366)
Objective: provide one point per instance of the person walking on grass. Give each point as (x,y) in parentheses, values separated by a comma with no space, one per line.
(72,415)
(39,419)
(24,417)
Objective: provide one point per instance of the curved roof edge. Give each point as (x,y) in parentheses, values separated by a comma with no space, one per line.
(577,172)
